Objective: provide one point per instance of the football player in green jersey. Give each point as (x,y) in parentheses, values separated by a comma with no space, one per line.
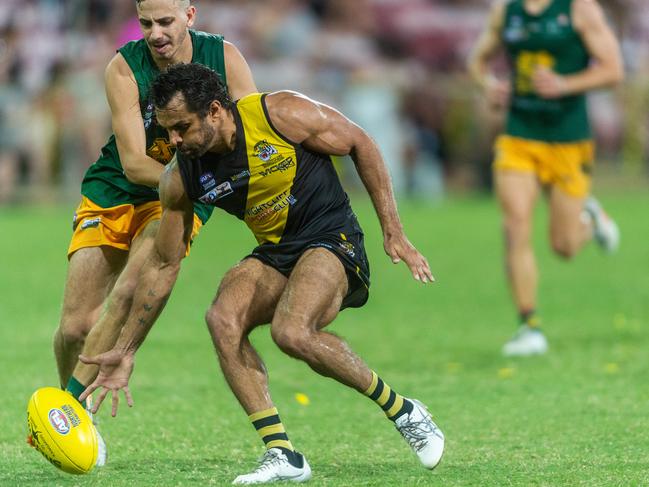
(118,217)
(266,159)
(558,50)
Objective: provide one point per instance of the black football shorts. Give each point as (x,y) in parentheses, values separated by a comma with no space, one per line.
(346,244)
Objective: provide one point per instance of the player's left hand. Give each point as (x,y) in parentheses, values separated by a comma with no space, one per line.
(548,84)
(115,368)
(399,248)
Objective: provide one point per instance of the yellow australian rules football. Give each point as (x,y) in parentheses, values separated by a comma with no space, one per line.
(61,430)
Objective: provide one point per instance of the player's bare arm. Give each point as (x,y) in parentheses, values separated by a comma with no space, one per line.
(160,273)
(489,44)
(606,68)
(152,291)
(128,126)
(240,82)
(323,129)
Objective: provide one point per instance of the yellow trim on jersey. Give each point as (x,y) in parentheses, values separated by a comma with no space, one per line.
(272,163)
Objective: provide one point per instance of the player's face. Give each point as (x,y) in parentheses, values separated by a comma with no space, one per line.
(191,134)
(165,25)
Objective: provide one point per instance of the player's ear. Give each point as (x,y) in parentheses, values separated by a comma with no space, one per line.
(191,15)
(216,110)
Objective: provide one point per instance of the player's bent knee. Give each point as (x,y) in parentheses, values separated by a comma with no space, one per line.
(564,248)
(73,333)
(293,341)
(225,328)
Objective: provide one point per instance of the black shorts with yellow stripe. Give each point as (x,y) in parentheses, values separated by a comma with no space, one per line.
(348,247)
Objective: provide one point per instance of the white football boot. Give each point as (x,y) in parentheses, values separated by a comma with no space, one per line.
(605,230)
(102,453)
(422,434)
(275,467)
(527,341)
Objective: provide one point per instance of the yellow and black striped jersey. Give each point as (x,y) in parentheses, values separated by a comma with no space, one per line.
(282,190)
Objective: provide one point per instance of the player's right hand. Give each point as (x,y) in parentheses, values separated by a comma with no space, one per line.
(399,248)
(115,369)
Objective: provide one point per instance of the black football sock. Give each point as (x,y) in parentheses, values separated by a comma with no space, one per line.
(530,318)
(272,433)
(394,405)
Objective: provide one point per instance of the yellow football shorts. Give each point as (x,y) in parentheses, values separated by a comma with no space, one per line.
(565,165)
(116,226)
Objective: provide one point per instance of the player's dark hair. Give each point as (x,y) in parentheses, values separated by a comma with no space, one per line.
(198,84)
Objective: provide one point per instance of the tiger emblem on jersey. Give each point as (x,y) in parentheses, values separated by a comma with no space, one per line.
(264,150)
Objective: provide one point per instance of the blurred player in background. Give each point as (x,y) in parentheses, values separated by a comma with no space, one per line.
(266,160)
(557,50)
(115,224)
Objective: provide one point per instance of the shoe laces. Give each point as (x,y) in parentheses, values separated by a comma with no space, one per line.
(416,433)
(270,459)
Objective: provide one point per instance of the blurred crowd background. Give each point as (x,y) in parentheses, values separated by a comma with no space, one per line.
(397,67)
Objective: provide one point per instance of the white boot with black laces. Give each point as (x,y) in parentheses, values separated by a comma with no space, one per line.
(422,434)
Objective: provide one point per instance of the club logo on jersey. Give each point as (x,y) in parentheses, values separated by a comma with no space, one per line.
(563,20)
(161,150)
(264,150)
(207,181)
(59,421)
(148,115)
(217,193)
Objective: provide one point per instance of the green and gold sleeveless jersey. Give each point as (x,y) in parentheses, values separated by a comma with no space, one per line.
(104,182)
(283,191)
(549,40)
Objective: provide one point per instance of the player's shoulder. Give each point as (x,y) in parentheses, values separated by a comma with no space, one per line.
(207,37)
(117,67)
(287,99)
(587,13)
(586,6)
(498,11)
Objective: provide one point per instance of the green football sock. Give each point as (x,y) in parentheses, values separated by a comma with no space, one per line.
(75,388)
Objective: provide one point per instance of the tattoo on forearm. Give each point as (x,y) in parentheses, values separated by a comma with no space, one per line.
(147,307)
(151,292)
(142,321)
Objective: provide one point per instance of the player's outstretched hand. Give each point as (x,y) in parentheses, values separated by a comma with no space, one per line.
(115,368)
(399,248)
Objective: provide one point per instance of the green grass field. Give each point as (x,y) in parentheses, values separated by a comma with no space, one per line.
(575,417)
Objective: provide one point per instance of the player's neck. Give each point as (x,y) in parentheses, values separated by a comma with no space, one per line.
(536,7)
(228,136)
(183,55)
